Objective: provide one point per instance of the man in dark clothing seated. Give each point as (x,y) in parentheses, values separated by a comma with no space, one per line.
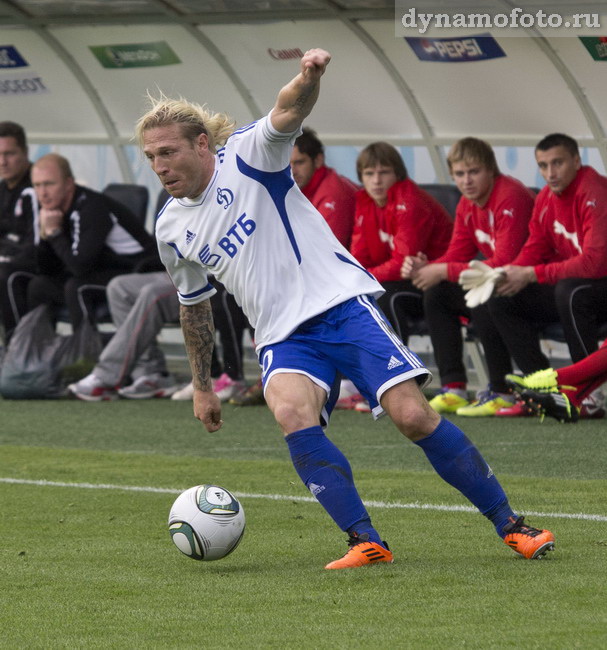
(18,213)
(85,238)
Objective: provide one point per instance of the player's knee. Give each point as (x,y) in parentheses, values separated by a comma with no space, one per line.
(293,417)
(410,412)
(436,296)
(114,289)
(149,293)
(418,422)
(498,306)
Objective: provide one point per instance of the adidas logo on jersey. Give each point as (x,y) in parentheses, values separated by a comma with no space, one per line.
(189,236)
(394,363)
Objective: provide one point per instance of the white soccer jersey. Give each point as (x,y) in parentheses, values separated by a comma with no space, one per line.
(255,232)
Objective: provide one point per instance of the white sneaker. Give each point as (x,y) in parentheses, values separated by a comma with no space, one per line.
(593,407)
(149,386)
(92,389)
(347,389)
(223,386)
(185,394)
(362,407)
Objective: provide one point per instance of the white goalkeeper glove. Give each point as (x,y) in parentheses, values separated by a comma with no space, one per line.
(479,282)
(475,275)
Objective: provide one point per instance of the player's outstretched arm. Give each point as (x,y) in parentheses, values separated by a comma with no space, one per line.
(296,100)
(199,338)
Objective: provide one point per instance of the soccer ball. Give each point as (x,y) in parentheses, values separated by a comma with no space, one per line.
(206,522)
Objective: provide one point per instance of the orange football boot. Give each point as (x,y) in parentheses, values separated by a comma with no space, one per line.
(529,542)
(362,552)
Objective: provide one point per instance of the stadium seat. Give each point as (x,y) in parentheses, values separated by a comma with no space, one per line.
(447,195)
(134,197)
(97,296)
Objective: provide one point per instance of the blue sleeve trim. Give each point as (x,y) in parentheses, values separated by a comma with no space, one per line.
(195,294)
(169,199)
(343,258)
(174,246)
(245,128)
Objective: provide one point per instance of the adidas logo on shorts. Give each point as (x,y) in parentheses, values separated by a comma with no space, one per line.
(394,363)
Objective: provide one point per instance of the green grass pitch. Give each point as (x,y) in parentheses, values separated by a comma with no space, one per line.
(87,560)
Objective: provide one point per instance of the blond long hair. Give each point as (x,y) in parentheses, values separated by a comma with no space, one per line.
(193,118)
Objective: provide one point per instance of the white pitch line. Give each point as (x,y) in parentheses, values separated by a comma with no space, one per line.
(285,497)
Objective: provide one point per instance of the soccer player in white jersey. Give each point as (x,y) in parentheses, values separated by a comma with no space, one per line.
(237,213)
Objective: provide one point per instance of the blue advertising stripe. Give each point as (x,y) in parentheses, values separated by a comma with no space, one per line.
(456,50)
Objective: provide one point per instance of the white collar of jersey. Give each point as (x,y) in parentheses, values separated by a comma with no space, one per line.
(199,200)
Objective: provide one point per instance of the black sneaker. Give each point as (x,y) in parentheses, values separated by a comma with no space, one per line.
(554,404)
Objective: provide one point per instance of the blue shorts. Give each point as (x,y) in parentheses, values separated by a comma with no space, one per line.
(353,340)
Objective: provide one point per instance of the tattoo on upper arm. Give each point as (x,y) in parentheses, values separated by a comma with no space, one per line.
(199,338)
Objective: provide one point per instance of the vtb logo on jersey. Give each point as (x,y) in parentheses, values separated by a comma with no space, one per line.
(207,257)
(225,197)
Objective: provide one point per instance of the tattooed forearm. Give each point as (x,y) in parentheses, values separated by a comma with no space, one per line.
(199,338)
(306,98)
(296,100)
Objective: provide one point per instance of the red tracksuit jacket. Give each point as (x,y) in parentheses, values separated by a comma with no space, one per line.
(568,231)
(411,221)
(333,196)
(497,230)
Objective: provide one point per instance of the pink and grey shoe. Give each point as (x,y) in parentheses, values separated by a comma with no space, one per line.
(92,389)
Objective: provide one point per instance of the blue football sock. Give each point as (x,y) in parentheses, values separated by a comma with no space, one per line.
(326,472)
(459,463)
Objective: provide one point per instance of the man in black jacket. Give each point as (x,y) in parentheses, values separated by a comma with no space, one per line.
(18,217)
(85,238)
